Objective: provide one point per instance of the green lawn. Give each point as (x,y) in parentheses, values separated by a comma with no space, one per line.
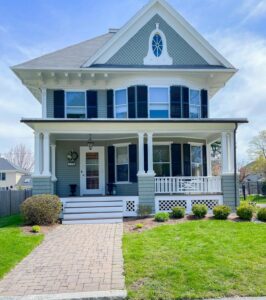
(14,244)
(255,198)
(196,259)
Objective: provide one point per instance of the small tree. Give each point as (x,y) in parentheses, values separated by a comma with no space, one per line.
(21,156)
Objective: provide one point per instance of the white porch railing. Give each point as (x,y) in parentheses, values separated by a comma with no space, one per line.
(183,185)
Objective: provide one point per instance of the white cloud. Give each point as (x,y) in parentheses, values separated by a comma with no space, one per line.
(253,9)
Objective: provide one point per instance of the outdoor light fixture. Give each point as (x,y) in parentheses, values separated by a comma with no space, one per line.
(90,143)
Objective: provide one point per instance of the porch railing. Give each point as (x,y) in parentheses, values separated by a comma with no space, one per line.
(183,185)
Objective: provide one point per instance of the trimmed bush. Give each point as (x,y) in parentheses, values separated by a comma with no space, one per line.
(199,210)
(36,229)
(161,217)
(221,212)
(41,209)
(138,226)
(144,210)
(261,215)
(245,212)
(178,212)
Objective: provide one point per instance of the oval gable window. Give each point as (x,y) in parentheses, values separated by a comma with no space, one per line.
(157,45)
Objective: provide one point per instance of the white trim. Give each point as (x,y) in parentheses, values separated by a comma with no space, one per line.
(125,146)
(200,105)
(166,143)
(201,163)
(170,154)
(53,158)
(195,144)
(46,154)
(44,102)
(149,101)
(65,101)
(114,102)
(122,144)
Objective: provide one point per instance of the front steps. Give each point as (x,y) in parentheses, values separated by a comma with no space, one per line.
(92,210)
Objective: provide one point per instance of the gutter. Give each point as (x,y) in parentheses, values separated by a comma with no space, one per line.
(235,164)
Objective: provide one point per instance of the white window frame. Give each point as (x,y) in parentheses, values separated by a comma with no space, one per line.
(1,176)
(120,146)
(196,145)
(114,104)
(198,90)
(150,104)
(75,91)
(170,154)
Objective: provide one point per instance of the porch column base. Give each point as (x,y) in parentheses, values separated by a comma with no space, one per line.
(146,191)
(228,189)
(42,185)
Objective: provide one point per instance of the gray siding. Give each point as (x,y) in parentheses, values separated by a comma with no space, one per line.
(42,185)
(228,189)
(146,191)
(50,103)
(133,52)
(102,104)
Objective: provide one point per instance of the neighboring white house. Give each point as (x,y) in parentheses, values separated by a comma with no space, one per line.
(127,114)
(10,174)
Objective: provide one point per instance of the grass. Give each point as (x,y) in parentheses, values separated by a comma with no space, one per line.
(14,244)
(196,259)
(255,198)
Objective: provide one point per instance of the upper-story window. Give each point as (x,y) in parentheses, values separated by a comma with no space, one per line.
(196,160)
(157,45)
(194,104)
(158,102)
(75,105)
(121,104)
(2,176)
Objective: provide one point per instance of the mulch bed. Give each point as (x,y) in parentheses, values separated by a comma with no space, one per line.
(44,229)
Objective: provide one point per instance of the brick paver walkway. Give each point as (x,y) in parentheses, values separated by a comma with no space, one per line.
(72,258)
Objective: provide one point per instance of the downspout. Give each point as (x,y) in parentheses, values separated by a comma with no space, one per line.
(235,164)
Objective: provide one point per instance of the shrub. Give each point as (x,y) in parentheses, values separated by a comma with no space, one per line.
(144,210)
(41,209)
(263,188)
(178,212)
(138,226)
(221,212)
(245,211)
(36,228)
(161,217)
(200,210)
(261,215)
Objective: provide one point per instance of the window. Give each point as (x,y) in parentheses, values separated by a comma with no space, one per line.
(194,104)
(161,160)
(2,176)
(121,104)
(157,45)
(196,160)
(122,167)
(159,102)
(76,105)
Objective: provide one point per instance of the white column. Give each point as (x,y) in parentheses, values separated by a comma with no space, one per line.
(44,103)
(141,154)
(150,155)
(46,154)
(224,153)
(231,152)
(37,156)
(53,148)
(209,161)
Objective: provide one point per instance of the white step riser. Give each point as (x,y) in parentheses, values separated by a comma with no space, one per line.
(93,216)
(94,204)
(103,221)
(93,209)
(88,199)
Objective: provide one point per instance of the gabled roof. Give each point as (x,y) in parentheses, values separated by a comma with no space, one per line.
(71,57)
(5,165)
(25,181)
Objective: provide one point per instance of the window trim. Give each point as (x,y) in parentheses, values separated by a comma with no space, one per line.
(170,155)
(198,90)
(75,91)
(1,176)
(196,145)
(114,102)
(119,146)
(149,101)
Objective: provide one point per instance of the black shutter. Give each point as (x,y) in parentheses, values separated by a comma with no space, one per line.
(142,101)
(111,164)
(131,93)
(176,160)
(185,101)
(59,104)
(92,110)
(186,159)
(204,160)
(204,103)
(145,157)
(132,153)
(110,104)
(176,103)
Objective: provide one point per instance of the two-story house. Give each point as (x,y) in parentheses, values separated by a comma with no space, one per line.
(126,121)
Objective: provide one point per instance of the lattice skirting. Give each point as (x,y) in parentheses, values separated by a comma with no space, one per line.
(130,206)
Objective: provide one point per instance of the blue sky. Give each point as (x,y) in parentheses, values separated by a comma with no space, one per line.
(30,28)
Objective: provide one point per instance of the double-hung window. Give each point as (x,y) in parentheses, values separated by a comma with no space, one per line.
(194,104)
(161,160)
(159,102)
(76,105)
(2,176)
(196,160)
(121,104)
(122,164)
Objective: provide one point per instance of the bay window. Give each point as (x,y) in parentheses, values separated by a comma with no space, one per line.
(121,104)
(194,104)
(161,160)
(122,164)
(196,161)
(159,102)
(75,105)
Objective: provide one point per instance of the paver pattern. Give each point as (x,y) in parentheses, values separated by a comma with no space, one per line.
(72,258)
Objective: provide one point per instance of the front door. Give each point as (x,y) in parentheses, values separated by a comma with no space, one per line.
(92,170)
